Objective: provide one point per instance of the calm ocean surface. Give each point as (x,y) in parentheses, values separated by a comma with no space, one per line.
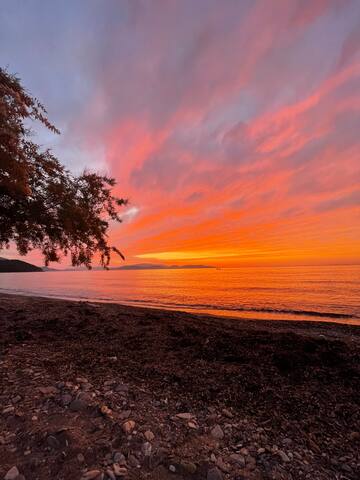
(326,293)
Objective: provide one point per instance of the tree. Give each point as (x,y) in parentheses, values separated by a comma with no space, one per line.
(42,205)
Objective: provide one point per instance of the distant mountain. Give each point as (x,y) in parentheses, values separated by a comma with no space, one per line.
(7,265)
(143,266)
(156,266)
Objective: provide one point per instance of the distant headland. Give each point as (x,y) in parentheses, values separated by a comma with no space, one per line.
(8,266)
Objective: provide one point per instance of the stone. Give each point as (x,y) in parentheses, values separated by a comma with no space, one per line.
(354,436)
(12,474)
(149,435)
(119,458)
(227,413)
(81,458)
(146,449)
(217,432)
(53,442)
(82,380)
(172,468)
(128,426)
(9,409)
(260,450)
(184,416)
(66,399)
(133,461)
(119,471)
(106,411)
(238,459)
(16,399)
(189,467)
(110,474)
(222,465)
(78,405)
(192,425)
(91,475)
(48,391)
(283,456)
(214,474)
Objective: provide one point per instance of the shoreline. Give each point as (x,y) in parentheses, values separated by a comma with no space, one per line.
(233,314)
(211,397)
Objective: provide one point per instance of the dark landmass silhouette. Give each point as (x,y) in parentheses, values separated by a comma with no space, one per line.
(7,266)
(140,266)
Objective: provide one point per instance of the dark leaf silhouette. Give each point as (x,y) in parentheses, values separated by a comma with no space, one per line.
(42,205)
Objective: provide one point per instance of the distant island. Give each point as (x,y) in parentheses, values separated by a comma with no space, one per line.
(8,266)
(146,266)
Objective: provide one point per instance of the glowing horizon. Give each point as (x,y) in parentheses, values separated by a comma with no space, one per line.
(231,127)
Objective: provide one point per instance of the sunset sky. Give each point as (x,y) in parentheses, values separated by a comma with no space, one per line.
(233,127)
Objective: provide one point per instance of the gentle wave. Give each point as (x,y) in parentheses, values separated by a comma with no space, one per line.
(311,313)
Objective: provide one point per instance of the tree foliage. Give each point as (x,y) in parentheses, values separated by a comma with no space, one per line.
(42,205)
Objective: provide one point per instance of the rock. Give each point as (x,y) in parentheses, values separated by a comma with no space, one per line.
(9,409)
(91,474)
(214,474)
(119,471)
(354,436)
(12,474)
(82,380)
(184,416)
(217,432)
(81,458)
(53,442)
(66,399)
(260,451)
(149,435)
(172,468)
(128,426)
(227,413)
(238,459)
(119,458)
(188,467)
(48,391)
(146,449)
(110,474)
(222,465)
(192,425)
(283,456)
(124,414)
(104,410)
(16,399)
(78,405)
(244,451)
(133,461)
